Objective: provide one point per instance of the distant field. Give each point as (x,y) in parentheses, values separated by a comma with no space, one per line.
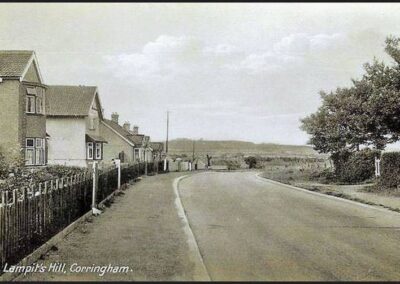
(217,148)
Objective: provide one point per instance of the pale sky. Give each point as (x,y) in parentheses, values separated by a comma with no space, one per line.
(225,71)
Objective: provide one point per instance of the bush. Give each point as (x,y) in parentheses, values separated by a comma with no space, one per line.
(356,166)
(251,161)
(390,170)
(233,165)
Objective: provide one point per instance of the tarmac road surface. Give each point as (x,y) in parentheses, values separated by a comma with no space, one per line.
(248,228)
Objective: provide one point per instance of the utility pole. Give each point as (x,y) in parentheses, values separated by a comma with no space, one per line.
(166,144)
(166,167)
(192,167)
(193,151)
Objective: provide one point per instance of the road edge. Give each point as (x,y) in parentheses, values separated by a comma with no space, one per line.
(200,270)
(326,195)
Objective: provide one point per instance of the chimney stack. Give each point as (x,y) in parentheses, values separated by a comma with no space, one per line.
(135,129)
(127,126)
(114,117)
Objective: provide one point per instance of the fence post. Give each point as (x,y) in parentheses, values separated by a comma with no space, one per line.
(95,211)
(117,163)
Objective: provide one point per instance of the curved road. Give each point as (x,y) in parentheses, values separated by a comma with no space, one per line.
(248,228)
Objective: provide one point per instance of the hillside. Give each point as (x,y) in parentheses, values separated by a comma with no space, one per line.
(202,147)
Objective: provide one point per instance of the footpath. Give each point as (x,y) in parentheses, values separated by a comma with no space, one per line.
(141,230)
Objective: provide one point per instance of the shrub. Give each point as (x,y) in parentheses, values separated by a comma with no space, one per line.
(356,166)
(233,164)
(390,170)
(251,161)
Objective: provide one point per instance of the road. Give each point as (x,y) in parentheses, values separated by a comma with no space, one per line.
(248,228)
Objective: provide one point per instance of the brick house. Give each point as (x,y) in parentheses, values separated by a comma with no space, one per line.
(73,121)
(22,107)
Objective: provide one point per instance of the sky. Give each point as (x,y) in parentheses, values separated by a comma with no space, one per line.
(224,71)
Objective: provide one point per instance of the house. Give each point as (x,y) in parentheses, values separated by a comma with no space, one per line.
(125,142)
(22,107)
(120,144)
(158,150)
(142,151)
(73,121)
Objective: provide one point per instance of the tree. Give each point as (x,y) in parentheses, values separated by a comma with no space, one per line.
(251,161)
(367,113)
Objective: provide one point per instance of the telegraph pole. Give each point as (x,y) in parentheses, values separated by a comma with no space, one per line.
(193,151)
(166,144)
(166,167)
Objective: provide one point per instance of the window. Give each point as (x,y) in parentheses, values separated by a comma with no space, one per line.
(137,157)
(89,147)
(40,151)
(30,104)
(29,151)
(35,151)
(39,105)
(35,100)
(91,123)
(98,151)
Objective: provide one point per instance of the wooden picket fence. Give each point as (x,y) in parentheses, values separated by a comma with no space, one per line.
(30,216)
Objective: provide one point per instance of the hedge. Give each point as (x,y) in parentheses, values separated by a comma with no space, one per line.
(390,170)
(357,166)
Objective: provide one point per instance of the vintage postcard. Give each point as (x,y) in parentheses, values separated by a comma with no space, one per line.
(199,141)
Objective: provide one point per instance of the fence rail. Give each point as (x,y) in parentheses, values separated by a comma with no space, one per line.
(30,216)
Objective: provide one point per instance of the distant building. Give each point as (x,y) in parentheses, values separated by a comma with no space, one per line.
(120,144)
(22,107)
(125,142)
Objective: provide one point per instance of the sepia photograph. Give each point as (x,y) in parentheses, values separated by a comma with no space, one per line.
(194,141)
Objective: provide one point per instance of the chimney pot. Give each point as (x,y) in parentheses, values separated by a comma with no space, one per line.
(127,126)
(114,117)
(135,129)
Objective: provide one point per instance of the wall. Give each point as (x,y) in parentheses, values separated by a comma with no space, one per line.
(10,114)
(115,145)
(67,144)
(93,114)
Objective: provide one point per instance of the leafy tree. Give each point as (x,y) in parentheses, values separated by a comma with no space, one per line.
(251,161)
(367,113)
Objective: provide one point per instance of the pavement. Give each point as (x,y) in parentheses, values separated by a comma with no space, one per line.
(141,230)
(248,228)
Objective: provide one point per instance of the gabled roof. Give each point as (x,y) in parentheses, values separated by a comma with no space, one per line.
(70,100)
(15,63)
(157,146)
(137,139)
(126,135)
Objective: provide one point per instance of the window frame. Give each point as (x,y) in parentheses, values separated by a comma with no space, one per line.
(92,123)
(37,149)
(98,154)
(31,149)
(89,146)
(39,105)
(31,98)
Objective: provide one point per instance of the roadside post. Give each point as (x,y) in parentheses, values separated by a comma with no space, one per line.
(95,175)
(117,163)
(377,167)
